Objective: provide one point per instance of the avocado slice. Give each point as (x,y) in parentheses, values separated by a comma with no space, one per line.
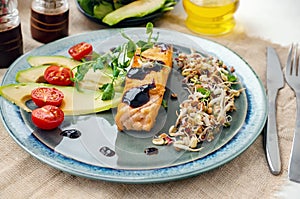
(92,80)
(52,60)
(35,74)
(74,103)
(39,65)
(135,9)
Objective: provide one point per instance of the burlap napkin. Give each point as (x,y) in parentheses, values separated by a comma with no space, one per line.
(247,176)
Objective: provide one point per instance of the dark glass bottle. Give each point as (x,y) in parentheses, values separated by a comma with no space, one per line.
(11,42)
(49,20)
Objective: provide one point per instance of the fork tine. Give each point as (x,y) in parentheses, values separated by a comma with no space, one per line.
(297,61)
(295,67)
(288,69)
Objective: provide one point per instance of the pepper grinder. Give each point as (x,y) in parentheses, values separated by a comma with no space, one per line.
(49,20)
(11,42)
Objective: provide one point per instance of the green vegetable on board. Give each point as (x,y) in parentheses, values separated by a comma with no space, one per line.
(112,12)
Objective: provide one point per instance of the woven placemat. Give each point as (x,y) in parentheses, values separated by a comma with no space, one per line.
(247,176)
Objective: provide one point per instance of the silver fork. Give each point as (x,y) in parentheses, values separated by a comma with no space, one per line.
(292,76)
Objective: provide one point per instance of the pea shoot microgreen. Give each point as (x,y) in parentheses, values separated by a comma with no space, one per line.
(204,92)
(118,59)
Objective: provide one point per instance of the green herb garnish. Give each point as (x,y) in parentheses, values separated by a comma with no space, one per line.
(164,103)
(108,91)
(114,60)
(204,92)
(231,77)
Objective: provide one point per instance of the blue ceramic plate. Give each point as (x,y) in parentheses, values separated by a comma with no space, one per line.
(100,152)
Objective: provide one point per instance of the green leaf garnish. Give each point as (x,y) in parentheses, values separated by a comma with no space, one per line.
(164,103)
(204,92)
(231,78)
(131,48)
(114,60)
(108,91)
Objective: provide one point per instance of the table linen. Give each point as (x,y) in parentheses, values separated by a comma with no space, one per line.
(247,176)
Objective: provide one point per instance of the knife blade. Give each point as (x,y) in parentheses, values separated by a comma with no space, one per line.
(275,82)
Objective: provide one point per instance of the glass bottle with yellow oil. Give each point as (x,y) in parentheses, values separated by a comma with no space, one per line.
(210,17)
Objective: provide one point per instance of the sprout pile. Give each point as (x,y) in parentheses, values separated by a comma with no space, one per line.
(210,84)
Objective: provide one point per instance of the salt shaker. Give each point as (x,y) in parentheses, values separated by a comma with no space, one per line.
(49,20)
(11,42)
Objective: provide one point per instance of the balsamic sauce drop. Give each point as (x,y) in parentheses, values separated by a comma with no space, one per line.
(107,151)
(138,96)
(140,73)
(151,151)
(71,133)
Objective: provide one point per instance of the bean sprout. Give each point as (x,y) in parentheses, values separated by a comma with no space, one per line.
(211,97)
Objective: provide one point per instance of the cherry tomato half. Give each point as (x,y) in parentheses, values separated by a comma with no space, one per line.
(80,50)
(42,96)
(58,75)
(47,117)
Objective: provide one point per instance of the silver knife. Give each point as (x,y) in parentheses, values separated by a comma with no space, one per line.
(275,82)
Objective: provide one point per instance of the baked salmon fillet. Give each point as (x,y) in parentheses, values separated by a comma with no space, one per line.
(144,88)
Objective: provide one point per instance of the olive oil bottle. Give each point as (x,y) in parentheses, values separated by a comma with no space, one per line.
(210,17)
